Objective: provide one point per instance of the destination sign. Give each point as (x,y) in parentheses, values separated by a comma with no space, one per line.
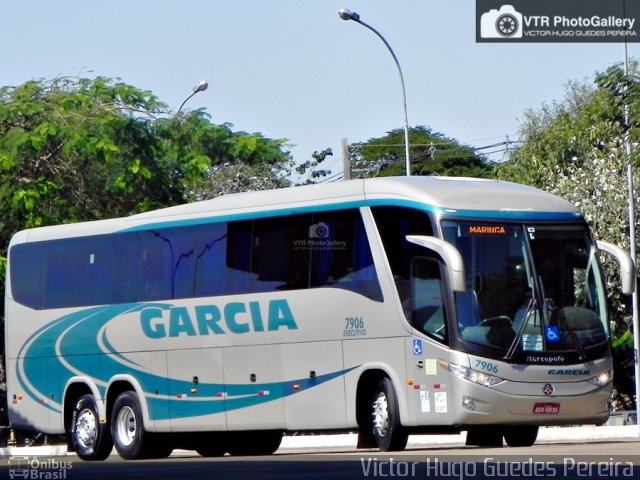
(487,230)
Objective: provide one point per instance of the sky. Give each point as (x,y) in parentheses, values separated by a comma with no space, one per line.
(292,69)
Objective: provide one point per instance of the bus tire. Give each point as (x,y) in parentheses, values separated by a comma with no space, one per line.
(388,433)
(130,439)
(90,439)
(521,435)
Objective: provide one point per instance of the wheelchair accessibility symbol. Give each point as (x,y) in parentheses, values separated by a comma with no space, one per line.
(417,346)
(552,334)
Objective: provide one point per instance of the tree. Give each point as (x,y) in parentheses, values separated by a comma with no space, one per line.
(309,171)
(215,160)
(81,149)
(576,149)
(431,153)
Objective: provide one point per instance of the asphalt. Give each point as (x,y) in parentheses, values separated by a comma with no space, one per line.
(292,443)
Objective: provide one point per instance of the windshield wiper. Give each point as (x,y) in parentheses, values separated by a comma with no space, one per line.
(566,327)
(531,306)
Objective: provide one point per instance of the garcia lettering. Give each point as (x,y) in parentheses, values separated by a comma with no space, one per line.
(569,372)
(234,317)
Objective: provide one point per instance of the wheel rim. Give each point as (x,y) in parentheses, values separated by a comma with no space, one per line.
(126,426)
(380,415)
(86,431)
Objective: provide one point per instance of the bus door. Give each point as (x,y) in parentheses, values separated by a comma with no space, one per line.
(429,394)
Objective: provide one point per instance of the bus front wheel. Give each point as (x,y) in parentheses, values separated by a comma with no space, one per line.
(385,418)
(90,437)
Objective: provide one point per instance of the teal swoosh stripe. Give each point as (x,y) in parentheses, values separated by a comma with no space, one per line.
(247,395)
(37,372)
(76,337)
(113,351)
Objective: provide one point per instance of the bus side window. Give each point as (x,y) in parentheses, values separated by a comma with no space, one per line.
(67,270)
(346,262)
(155,266)
(270,252)
(394,224)
(28,282)
(428,313)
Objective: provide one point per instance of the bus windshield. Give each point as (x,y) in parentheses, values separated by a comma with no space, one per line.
(532,291)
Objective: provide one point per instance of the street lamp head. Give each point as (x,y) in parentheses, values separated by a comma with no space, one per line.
(200,87)
(346,14)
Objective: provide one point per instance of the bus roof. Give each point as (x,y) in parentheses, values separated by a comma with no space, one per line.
(456,196)
(451,193)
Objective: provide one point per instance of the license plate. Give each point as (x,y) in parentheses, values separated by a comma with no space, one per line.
(546,408)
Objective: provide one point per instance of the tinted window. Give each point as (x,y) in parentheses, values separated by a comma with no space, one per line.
(305,251)
(394,224)
(27,273)
(428,304)
(279,253)
(418,279)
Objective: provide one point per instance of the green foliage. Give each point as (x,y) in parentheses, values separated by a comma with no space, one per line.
(207,154)
(431,153)
(74,149)
(562,135)
(77,149)
(310,170)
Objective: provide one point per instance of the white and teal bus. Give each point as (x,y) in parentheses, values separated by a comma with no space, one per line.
(387,306)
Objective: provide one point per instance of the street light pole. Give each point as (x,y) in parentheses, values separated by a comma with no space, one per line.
(200,87)
(346,14)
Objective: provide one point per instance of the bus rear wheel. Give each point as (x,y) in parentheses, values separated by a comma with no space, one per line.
(89,437)
(388,433)
(131,440)
(521,435)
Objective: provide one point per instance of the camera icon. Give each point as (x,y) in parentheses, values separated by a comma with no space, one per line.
(319,230)
(503,23)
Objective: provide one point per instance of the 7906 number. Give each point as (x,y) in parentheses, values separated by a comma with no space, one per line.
(354,323)
(487,366)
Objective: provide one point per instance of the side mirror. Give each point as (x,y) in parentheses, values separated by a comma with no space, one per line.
(627,268)
(450,255)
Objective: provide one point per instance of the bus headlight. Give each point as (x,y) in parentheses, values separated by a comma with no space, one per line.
(474,376)
(603,379)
